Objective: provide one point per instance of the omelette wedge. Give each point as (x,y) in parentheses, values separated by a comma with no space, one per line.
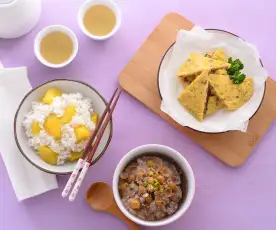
(220,55)
(211,105)
(232,95)
(194,97)
(196,63)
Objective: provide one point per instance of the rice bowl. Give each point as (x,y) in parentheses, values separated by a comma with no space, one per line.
(80,92)
(68,142)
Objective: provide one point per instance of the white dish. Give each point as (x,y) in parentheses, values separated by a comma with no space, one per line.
(169,153)
(18,17)
(67,86)
(50,29)
(253,104)
(110,4)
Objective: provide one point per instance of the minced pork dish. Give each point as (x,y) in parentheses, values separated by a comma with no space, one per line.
(151,188)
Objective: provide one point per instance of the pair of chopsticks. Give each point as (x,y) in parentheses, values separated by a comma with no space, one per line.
(85,161)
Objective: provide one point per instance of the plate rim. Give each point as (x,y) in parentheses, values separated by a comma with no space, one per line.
(23,100)
(158,81)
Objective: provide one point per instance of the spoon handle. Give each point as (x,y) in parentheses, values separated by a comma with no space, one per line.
(114,210)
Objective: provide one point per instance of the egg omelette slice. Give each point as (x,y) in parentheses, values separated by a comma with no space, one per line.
(194,97)
(214,103)
(220,55)
(232,95)
(196,63)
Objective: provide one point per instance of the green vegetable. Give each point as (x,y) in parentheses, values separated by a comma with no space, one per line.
(145,183)
(238,78)
(234,71)
(235,66)
(155,183)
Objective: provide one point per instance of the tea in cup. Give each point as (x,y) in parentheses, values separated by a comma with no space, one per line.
(56,46)
(99,19)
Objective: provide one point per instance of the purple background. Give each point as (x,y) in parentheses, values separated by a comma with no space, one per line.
(226,198)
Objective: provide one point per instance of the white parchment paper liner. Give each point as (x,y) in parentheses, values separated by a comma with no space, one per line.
(200,41)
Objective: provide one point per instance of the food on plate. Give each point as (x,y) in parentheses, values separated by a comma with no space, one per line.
(69,112)
(212,82)
(50,95)
(48,155)
(196,63)
(194,98)
(152,187)
(234,71)
(220,104)
(232,95)
(219,55)
(211,105)
(95,117)
(58,126)
(52,125)
(221,72)
(75,156)
(82,133)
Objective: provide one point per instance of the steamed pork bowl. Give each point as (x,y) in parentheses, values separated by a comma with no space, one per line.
(59,125)
(152,187)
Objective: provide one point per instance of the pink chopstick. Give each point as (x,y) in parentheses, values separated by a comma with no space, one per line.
(84,162)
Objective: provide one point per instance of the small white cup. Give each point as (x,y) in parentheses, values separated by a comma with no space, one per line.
(110,4)
(50,29)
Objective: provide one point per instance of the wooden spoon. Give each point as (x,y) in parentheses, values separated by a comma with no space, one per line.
(100,197)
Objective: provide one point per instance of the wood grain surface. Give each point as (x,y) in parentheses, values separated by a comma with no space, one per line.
(139,78)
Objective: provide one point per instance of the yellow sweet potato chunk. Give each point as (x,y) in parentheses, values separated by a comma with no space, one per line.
(48,155)
(75,156)
(95,118)
(82,133)
(52,126)
(50,95)
(35,128)
(69,112)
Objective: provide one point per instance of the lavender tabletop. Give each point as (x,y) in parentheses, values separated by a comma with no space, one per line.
(226,198)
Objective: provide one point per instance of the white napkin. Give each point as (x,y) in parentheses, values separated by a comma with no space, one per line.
(26,180)
(200,41)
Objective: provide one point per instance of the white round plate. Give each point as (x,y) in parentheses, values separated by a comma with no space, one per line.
(67,86)
(255,102)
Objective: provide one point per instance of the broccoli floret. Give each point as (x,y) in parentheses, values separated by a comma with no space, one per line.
(239,63)
(235,66)
(234,70)
(238,78)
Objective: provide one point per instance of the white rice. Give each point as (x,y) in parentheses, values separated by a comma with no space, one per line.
(68,142)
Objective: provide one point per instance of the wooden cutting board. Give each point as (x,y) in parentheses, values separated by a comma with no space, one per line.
(139,78)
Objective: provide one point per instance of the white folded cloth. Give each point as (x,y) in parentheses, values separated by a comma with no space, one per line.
(26,180)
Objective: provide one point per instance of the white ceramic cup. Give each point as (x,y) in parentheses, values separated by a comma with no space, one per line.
(165,151)
(50,29)
(110,4)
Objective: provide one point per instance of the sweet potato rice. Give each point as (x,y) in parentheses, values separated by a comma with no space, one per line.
(59,143)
